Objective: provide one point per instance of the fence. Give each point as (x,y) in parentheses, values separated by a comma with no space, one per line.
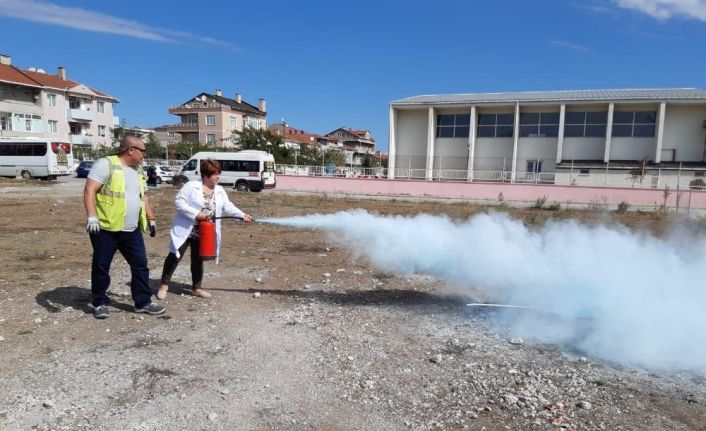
(528,171)
(174,164)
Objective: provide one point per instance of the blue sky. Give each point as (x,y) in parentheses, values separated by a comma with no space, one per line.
(321,65)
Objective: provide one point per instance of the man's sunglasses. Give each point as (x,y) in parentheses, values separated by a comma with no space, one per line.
(140,149)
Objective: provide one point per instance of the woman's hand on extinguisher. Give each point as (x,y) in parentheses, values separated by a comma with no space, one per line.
(201,217)
(247,218)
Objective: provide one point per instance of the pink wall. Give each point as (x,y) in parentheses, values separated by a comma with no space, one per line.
(490,191)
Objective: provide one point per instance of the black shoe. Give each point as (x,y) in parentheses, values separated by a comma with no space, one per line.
(101,312)
(151,308)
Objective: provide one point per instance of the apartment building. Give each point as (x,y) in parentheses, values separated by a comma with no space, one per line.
(358,143)
(296,138)
(211,119)
(581,137)
(354,144)
(34,103)
(166,136)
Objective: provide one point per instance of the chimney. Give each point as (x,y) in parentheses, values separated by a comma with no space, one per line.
(5,59)
(61,71)
(261,106)
(219,92)
(237,97)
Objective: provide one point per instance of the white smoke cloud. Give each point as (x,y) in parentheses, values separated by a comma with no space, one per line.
(613,293)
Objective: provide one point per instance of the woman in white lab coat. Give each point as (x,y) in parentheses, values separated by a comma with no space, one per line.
(197,201)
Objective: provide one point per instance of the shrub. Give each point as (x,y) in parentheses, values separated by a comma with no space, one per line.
(555,206)
(539,203)
(622,207)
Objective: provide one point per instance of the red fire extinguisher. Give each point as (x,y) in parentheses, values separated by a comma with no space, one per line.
(207,239)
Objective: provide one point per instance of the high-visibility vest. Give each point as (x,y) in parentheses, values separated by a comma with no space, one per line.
(111,205)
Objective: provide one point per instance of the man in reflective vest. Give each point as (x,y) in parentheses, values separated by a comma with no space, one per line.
(118,212)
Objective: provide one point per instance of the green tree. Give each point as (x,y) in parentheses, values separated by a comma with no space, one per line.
(313,156)
(334,157)
(264,140)
(308,155)
(184,150)
(256,139)
(154,148)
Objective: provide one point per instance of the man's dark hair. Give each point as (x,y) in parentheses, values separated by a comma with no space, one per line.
(125,143)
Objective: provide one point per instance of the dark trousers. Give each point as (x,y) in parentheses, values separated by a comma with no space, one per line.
(132,247)
(171,262)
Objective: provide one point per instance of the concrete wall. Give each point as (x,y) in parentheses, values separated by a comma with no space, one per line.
(56,113)
(488,192)
(412,131)
(683,131)
(583,149)
(490,150)
(633,148)
(533,148)
(103,119)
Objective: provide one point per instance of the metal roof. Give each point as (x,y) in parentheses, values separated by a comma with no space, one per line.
(645,94)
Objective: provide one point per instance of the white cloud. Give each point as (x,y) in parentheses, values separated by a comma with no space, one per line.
(570,45)
(82,19)
(666,9)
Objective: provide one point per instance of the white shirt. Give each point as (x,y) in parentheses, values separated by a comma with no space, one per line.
(189,202)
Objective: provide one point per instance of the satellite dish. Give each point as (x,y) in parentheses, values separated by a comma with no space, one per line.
(32,69)
(203,98)
(41,71)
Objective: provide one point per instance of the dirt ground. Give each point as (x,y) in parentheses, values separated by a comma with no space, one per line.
(298,336)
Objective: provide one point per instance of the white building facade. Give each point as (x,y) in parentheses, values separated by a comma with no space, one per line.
(34,103)
(622,137)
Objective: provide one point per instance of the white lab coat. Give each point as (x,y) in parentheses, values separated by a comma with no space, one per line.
(189,202)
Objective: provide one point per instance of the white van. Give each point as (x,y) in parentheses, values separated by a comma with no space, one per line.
(35,158)
(246,170)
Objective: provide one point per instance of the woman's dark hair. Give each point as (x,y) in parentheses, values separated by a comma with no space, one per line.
(210,167)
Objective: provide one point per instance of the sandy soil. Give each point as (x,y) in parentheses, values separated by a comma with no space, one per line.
(357,349)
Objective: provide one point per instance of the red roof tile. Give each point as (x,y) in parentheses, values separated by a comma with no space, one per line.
(51,81)
(15,75)
(38,79)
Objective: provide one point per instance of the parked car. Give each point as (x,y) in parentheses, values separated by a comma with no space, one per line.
(164,174)
(83,168)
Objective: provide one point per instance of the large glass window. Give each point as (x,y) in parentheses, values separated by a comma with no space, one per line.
(240,165)
(101,107)
(539,125)
(51,99)
(210,120)
(495,125)
(453,126)
(22,149)
(252,122)
(634,124)
(585,124)
(210,138)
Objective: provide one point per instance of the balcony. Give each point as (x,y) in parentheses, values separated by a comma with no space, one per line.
(80,115)
(81,139)
(191,107)
(184,127)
